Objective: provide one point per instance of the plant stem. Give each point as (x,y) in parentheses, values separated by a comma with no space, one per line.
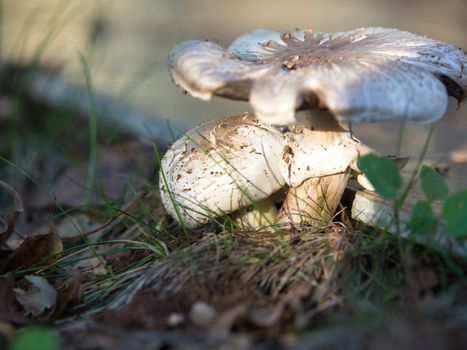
(92,132)
(413,177)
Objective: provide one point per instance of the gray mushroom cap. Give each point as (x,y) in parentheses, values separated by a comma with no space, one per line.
(219,167)
(368,74)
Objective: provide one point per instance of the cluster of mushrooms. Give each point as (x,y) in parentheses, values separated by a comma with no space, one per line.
(279,166)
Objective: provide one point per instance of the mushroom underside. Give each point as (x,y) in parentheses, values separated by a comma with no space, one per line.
(360,75)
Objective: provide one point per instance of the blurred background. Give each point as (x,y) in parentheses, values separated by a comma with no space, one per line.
(126,44)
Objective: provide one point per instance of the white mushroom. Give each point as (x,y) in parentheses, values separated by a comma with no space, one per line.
(368,74)
(316,164)
(221,166)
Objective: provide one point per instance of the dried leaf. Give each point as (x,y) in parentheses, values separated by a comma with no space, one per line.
(7,330)
(70,292)
(33,249)
(10,309)
(38,298)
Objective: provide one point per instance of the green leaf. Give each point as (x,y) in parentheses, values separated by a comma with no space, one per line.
(422,219)
(454,214)
(433,184)
(382,173)
(35,337)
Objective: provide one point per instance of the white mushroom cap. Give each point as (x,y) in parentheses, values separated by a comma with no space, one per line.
(221,166)
(368,74)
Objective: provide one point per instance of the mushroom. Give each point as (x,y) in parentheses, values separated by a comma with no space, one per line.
(368,74)
(220,167)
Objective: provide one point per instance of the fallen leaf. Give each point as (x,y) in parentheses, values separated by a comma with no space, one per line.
(7,330)
(69,292)
(33,249)
(22,307)
(38,298)
(10,309)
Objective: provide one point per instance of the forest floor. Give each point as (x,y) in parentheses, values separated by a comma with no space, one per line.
(90,260)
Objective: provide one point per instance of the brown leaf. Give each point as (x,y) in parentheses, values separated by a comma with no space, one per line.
(33,249)
(7,332)
(42,296)
(70,292)
(10,219)
(10,309)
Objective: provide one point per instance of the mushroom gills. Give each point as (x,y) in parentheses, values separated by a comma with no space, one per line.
(315,201)
(259,215)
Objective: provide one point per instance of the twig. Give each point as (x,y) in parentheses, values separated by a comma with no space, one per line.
(121,212)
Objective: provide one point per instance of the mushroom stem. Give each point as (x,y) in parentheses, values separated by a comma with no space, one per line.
(315,201)
(262,214)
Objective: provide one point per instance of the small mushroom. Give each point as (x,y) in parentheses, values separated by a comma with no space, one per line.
(368,74)
(221,166)
(316,164)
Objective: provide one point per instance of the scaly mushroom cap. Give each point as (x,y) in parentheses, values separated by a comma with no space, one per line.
(368,74)
(221,166)
(311,154)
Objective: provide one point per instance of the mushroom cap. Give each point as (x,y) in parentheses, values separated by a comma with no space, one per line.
(368,74)
(221,166)
(310,154)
